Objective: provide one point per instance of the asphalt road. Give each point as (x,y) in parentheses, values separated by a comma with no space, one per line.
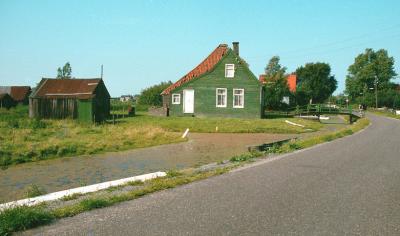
(350,186)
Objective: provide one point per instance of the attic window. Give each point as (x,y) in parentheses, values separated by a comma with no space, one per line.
(229,70)
(176,98)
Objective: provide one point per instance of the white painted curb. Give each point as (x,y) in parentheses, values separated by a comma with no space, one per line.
(80,190)
(292,123)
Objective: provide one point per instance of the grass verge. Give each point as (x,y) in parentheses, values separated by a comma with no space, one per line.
(22,218)
(385,113)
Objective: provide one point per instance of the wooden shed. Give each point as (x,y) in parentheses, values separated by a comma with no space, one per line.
(83,99)
(6,101)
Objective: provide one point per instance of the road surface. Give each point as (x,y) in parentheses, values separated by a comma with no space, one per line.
(350,186)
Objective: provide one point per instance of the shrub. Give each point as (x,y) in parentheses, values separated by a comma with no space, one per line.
(23,217)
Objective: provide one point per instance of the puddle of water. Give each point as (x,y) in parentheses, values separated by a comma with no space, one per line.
(60,174)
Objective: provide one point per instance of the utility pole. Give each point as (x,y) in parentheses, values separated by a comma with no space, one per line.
(101,72)
(376,91)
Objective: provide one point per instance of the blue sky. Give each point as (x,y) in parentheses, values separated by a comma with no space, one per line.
(141,43)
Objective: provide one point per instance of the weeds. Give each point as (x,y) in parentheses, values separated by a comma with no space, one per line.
(34,191)
(71,197)
(23,217)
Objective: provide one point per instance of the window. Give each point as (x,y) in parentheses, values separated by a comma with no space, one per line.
(176,98)
(229,70)
(221,97)
(238,98)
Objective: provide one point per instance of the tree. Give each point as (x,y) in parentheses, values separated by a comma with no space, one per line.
(152,95)
(315,83)
(64,72)
(274,70)
(276,86)
(369,67)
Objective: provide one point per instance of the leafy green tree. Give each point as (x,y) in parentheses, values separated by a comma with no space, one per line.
(368,67)
(274,70)
(276,86)
(151,96)
(64,72)
(315,83)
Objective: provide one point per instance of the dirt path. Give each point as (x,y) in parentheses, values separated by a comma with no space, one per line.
(59,174)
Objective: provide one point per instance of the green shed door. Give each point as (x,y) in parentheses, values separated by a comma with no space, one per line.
(85,110)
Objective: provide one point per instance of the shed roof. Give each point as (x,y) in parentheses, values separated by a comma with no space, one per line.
(18,93)
(205,66)
(4,95)
(67,88)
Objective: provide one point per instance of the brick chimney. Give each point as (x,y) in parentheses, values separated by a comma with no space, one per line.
(236,47)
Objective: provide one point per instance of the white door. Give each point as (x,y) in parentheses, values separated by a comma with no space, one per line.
(188,101)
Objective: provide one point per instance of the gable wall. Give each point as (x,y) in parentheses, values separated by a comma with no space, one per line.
(205,92)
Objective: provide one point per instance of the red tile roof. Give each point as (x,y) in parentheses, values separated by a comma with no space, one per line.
(291,80)
(69,88)
(20,93)
(205,66)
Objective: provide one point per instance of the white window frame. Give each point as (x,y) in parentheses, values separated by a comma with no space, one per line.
(179,98)
(226,97)
(233,96)
(226,70)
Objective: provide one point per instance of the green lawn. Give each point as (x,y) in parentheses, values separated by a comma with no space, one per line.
(24,140)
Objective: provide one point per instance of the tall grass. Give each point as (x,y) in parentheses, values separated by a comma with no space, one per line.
(23,217)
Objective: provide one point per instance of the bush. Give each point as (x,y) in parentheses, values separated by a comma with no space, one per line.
(23,217)
(152,95)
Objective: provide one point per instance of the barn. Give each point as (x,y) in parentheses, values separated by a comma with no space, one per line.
(20,94)
(222,85)
(83,99)
(6,101)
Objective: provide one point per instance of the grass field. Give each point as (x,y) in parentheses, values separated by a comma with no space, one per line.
(24,140)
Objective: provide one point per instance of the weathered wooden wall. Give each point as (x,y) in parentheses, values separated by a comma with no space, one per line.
(53,108)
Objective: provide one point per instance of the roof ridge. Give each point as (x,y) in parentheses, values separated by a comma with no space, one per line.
(206,65)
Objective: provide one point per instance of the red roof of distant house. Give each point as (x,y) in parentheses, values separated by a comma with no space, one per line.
(201,69)
(20,93)
(69,88)
(291,80)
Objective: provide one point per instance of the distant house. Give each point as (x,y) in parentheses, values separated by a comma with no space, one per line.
(126,98)
(6,101)
(20,94)
(82,99)
(222,85)
(291,81)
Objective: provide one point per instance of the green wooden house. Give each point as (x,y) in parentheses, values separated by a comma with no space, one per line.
(222,85)
(84,99)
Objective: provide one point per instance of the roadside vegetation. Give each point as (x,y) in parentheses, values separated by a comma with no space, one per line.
(25,140)
(22,218)
(384,113)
